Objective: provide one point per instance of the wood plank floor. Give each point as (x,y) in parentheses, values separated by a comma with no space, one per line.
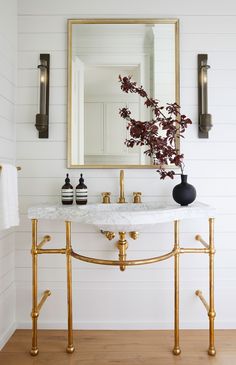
(120,347)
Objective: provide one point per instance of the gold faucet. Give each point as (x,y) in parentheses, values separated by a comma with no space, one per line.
(122,193)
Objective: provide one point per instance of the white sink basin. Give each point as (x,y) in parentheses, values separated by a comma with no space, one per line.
(121,217)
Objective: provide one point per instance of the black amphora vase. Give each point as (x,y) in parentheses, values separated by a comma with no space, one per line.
(184,193)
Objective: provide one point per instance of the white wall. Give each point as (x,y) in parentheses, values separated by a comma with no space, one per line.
(140,297)
(8,49)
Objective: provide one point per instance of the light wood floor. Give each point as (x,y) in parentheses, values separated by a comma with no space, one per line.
(120,347)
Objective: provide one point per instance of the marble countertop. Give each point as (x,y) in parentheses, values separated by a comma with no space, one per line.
(121,217)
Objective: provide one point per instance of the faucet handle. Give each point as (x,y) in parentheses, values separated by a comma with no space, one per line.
(137,197)
(106,197)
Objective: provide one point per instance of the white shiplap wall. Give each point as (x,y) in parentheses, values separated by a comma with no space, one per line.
(8,49)
(140,297)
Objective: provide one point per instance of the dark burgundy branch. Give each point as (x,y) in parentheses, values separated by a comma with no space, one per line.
(160,147)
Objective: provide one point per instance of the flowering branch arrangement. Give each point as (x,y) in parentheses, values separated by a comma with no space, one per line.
(160,133)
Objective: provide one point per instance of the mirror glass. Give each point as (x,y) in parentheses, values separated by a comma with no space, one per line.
(98,52)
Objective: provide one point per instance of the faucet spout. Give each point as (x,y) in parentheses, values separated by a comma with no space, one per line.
(122,192)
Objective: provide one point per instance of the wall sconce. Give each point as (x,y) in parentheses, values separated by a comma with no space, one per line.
(204,119)
(42,118)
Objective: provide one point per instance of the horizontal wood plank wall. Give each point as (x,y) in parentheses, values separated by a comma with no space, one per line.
(140,297)
(8,53)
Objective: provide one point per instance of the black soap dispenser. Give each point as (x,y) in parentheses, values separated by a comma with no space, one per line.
(67,193)
(81,194)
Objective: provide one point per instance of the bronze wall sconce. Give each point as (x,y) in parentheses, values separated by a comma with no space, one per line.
(204,118)
(42,118)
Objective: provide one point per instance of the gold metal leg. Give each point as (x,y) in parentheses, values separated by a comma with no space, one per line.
(211,313)
(70,347)
(122,246)
(176,349)
(34,314)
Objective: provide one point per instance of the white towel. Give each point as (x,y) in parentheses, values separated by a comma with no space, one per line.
(9,214)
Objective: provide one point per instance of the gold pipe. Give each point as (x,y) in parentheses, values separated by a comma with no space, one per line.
(45,295)
(70,347)
(211,313)
(51,251)
(34,314)
(93,260)
(176,349)
(45,239)
(122,245)
(194,250)
(203,300)
(122,192)
(199,238)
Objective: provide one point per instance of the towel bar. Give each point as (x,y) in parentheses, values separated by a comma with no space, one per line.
(18,168)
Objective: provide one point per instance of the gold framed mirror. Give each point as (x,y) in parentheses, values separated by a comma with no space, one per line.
(99,50)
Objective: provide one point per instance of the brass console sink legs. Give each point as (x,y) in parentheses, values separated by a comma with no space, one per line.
(176,349)
(211,306)
(36,307)
(122,245)
(70,347)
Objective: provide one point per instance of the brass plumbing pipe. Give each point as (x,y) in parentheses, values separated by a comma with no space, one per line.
(122,245)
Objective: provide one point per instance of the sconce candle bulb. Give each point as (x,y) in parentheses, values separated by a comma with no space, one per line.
(204,118)
(42,117)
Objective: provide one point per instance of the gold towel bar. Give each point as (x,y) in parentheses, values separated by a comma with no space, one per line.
(18,168)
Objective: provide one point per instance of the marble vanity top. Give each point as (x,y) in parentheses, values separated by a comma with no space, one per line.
(121,217)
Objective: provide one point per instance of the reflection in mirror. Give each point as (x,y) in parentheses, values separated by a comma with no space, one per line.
(98,54)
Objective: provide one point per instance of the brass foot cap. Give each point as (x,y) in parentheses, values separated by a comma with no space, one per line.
(34,352)
(212,351)
(176,351)
(70,349)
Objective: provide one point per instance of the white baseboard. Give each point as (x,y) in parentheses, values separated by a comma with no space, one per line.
(126,325)
(6,336)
